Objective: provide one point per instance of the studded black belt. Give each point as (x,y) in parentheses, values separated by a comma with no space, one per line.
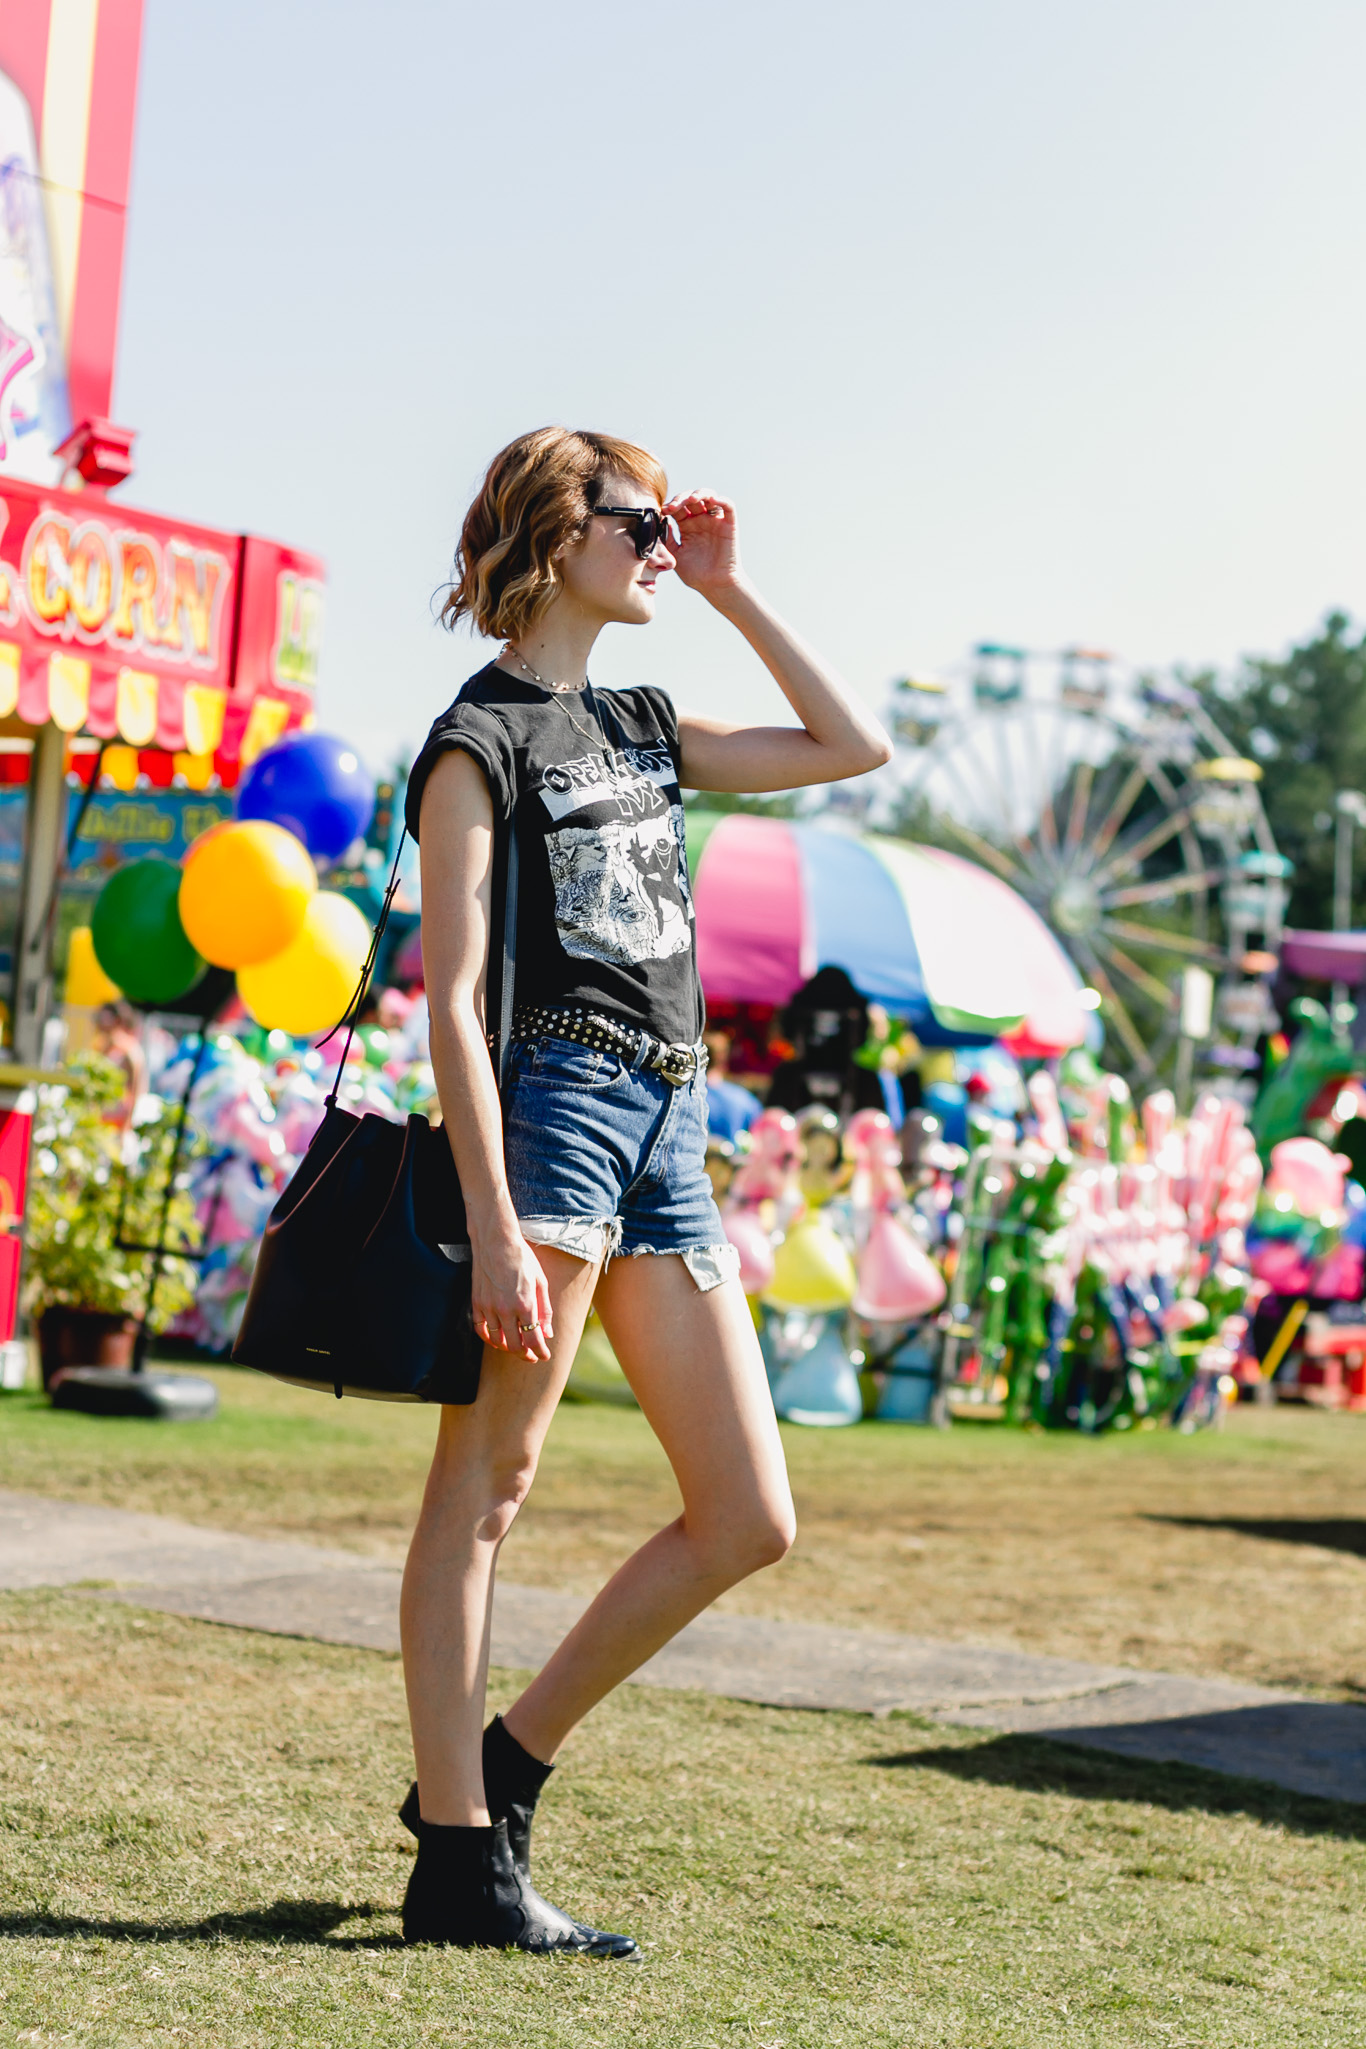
(638,1048)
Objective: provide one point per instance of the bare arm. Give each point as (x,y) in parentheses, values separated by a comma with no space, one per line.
(457,893)
(836,737)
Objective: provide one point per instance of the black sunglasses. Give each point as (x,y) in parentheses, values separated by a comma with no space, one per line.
(652,527)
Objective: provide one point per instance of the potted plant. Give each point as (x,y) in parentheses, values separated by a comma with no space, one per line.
(89,1171)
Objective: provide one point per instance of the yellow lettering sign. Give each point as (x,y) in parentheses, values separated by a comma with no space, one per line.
(91,579)
(49,576)
(136,616)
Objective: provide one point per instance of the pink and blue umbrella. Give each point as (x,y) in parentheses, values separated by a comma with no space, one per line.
(936,939)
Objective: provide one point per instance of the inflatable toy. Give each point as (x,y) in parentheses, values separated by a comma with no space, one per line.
(811,1270)
(245,891)
(1306,1172)
(314,786)
(897,1281)
(752,1242)
(137,935)
(821,1387)
(911,1376)
(1320,1055)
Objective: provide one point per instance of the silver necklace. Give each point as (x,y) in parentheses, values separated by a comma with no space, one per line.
(559,691)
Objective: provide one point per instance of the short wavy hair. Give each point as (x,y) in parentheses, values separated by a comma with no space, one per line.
(539,493)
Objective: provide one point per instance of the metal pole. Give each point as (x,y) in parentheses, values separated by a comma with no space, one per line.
(159,1249)
(1350,809)
(32,984)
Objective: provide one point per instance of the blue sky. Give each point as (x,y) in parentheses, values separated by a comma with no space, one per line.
(1034,323)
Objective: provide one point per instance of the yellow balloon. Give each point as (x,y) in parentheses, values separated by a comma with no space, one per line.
(244,892)
(811,1270)
(86,982)
(307,987)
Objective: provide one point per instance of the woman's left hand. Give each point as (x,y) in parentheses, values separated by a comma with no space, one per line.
(707,556)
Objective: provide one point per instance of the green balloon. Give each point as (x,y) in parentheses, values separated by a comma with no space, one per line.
(138,937)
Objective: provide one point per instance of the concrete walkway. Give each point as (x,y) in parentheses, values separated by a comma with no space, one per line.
(300,1590)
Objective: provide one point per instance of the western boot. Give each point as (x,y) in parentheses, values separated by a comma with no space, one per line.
(513,1779)
(466,1891)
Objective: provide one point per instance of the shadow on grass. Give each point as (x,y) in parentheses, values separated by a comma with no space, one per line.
(1328,1533)
(293,1921)
(1032,1764)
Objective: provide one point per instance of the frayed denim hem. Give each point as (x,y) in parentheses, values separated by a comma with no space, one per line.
(592,1238)
(709,1265)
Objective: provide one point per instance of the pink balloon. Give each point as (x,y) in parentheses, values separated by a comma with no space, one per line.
(752,1242)
(896,1279)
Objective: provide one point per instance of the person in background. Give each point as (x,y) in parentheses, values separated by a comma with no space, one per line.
(730,1108)
(827,1022)
(118,1038)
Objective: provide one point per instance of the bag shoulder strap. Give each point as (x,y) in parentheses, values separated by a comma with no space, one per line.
(509,968)
(498,1050)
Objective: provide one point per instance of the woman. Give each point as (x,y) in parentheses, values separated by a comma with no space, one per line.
(597,1148)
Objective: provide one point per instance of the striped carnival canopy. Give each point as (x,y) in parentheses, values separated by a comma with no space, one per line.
(933,937)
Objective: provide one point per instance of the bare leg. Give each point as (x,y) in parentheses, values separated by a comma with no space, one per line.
(693,1362)
(485,1461)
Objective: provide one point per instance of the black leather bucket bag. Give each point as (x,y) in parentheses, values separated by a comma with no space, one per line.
(362,1283)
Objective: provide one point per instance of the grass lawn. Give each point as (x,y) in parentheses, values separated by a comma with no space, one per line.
(198,1846)
(1240,1551)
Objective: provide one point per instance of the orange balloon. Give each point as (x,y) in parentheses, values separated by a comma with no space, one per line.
(245,891)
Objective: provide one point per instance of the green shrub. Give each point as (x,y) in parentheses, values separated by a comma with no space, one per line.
(82,1167)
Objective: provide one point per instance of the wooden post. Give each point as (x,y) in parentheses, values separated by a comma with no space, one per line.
(31,998)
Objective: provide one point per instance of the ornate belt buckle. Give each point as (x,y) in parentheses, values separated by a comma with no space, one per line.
(677,1064)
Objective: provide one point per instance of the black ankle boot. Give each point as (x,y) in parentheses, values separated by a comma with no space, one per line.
(466,1891)
(513,1779)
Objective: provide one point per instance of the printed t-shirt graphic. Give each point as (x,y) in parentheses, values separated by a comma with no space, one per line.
(604,910)
(615,848)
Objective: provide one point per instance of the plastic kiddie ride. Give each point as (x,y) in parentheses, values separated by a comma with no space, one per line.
(1308,1253)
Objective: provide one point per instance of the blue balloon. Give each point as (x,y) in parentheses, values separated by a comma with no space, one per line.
(315,787)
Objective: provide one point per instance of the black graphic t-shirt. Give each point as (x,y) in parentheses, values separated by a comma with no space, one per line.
(604,911)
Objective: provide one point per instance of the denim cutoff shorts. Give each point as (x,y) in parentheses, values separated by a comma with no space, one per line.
(603,1157)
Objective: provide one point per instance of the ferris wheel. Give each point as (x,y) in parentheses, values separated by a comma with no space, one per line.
(1113,803)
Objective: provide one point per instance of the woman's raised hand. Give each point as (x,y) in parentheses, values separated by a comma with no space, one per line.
(510,1299)
(708,553)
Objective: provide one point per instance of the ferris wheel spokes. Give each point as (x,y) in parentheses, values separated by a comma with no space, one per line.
(1119,810)
(1164,942)
(1117,1011)
(1081,799)
(1158,892)
(1133,853)
(1159,993)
